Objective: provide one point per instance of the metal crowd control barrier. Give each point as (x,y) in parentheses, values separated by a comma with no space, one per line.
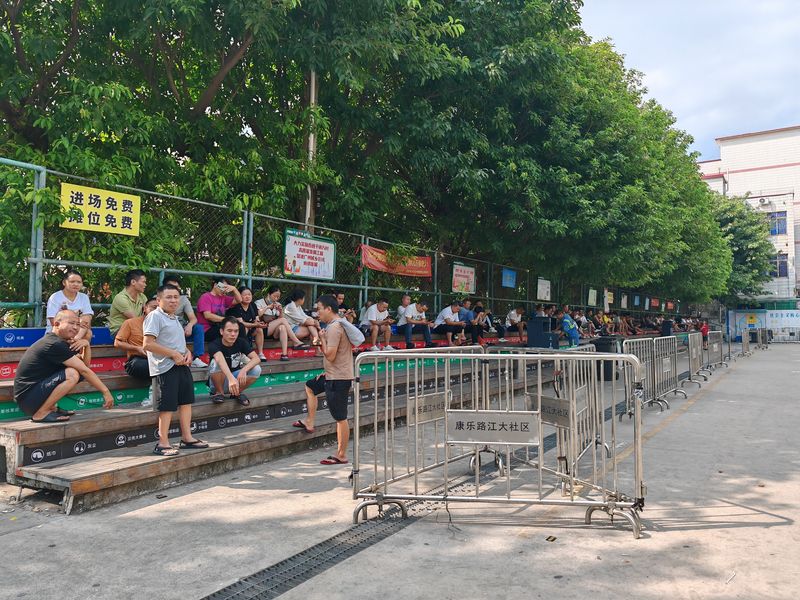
(787,335)
(762,337)
(714,351)
(507,405)
(644,350)
(745,351)
(695,341)
(665,368)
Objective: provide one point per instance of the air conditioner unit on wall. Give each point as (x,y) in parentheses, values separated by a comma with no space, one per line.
(763,201)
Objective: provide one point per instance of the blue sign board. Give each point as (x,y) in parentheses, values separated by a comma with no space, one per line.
(509,278)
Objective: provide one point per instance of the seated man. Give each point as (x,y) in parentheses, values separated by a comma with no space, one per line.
(473,322)
(448,323)
(50,369)
(129,302)
(515,323)
(568,327)
(404,303)
(212,306)
(131,339)
(484,318)
(413,321)
(376,321)
(345,311)
(230,371)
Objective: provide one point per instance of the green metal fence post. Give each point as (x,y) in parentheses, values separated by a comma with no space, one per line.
(365,273)
(39,182)
(250,235)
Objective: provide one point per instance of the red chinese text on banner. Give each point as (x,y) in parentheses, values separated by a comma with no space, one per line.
(410,266)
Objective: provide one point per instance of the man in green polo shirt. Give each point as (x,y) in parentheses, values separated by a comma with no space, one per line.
(129,303)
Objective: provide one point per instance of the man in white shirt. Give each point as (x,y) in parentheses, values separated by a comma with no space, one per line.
(448,323)
(375,321)
(404,302)
(413,320)
(514,322)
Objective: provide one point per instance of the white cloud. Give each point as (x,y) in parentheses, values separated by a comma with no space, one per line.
(721,66)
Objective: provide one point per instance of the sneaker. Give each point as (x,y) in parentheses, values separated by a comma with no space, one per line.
(492,330)
(262,357)
(410,346)
(431,345)
(388,348)
(374,349)
(502,340)
(147,402)
(198,363)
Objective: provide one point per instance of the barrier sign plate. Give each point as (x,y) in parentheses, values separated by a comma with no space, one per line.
(492,427)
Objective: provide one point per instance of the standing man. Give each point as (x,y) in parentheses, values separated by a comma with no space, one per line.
(234,367)
(212,306)
(50,369)
(335,382)
(168,360)
(129,303)
(191,328)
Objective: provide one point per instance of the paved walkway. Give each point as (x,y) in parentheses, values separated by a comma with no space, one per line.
(723,476)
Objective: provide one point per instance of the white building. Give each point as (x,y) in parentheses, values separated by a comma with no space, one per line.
(765,166)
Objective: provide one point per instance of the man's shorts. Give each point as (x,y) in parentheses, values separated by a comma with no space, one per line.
(254,372)
(173,389)
(33,399)
(336,394)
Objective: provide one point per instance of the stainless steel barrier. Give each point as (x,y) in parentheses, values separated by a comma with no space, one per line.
(695,342)
(714,351)
(745,350)
(785,335)
(509,403)
(763,338)
(665,368)
(644,350)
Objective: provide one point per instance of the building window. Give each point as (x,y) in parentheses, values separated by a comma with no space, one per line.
(777,222)
(780,265)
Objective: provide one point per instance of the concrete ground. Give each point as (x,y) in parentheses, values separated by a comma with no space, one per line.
(723,476)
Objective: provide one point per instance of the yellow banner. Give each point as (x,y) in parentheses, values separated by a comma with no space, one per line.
(92,209)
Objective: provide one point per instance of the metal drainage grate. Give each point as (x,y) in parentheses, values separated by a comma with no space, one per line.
(287,574)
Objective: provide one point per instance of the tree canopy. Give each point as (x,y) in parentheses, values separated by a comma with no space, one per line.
(497,130)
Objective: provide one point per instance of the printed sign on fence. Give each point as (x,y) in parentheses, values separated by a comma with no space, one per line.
(492,427)
(592,299)
(410,266)
(543,289)
(463,278)
(93,209)
(623,300)
(509,279)
(655,303)
(309,256)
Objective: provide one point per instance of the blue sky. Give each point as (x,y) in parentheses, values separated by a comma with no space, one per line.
(721,66)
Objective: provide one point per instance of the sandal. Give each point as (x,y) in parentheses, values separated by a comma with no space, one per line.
(333,460)
(302,347)
(52,417)
(242,399)
(284,357)
(161,451)
(218,398)
(301,425)
(316,342)
(64,412)
(195,445)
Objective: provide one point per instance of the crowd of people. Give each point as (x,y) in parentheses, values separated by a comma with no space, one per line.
(230,326)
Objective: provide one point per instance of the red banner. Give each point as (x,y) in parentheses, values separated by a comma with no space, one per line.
(410,266)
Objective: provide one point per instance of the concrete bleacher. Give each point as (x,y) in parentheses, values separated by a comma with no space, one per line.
(104,456)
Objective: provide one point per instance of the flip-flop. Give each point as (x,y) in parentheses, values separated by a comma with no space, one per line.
(197,444)
(52,417)
(301,425)
(301,347)
(64,412)
(333,460)
(242,399)
(162,451)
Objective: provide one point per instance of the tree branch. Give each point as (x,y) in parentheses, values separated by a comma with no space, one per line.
(231,60)
(72,41)
(162,46)
(11,12)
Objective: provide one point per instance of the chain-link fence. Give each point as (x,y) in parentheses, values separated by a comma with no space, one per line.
(198,239)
